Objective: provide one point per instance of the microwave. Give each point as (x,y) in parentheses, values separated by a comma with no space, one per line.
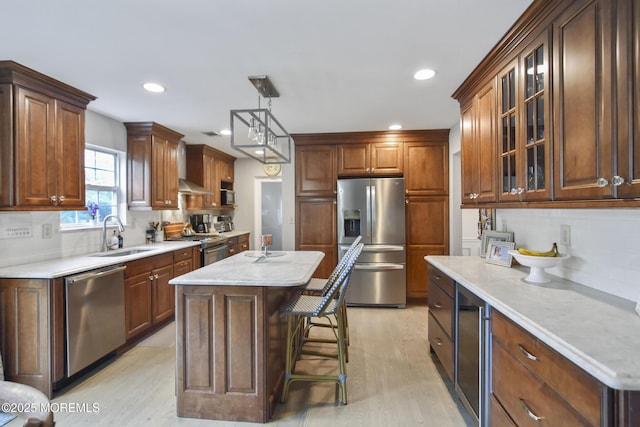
(227,197)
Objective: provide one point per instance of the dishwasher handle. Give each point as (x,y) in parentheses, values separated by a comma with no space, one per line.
(93,274)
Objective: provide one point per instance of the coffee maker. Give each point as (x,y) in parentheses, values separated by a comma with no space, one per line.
(224,223)
(200,223)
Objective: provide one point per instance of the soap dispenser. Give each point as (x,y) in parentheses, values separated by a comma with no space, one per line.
(113,243)
(120,241)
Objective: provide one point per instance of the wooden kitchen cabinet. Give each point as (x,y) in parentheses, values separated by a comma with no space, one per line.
(183,261)
(42,124)
(211,169)
(316,171)
(237,244)
(149,299)
(316,231)
(426,166)
(427,224)
(628,99)
(583,100)
(528,374)
(370,159)
(478,147)
(152,162)
(441,318)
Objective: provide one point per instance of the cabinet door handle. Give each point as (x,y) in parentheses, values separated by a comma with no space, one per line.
(437,277)
(437,305)
(527,354)
(151,277)
(61,199)
(155,276)
(438,342)
(53,199)
(528,411)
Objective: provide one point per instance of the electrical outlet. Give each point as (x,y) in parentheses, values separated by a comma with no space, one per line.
(47,231)
(565,235)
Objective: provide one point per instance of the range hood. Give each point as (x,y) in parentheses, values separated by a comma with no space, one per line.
(188,187)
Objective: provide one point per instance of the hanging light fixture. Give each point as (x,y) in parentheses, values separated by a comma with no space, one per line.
(265,140)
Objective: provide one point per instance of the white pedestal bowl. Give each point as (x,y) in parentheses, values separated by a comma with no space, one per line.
(537,264)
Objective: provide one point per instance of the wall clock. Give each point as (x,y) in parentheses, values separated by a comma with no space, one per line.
(272,169)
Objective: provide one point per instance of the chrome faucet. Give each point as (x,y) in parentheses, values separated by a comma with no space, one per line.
(105,247)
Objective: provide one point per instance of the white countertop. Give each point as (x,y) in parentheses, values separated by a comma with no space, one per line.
(59,267)
(597,331)
(293,268)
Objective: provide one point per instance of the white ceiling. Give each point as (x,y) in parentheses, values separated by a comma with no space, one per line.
(339,65)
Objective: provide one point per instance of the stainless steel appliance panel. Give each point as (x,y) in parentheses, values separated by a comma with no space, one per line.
(377,284)
(353,210)
(378,253)
(213,253)
(387,211)
(94,306)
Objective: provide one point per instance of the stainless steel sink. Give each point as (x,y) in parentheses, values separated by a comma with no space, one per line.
(121,253)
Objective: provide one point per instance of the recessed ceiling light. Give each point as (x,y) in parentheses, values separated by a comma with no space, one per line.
(153,87)
(424,74)
(225,132)
(395,127)
(259,152)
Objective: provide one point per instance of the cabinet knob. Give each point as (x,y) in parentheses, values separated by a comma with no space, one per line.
(602,182)
(155,276)
(438,342)
(517,191)
(60,199)
(473,196)
(615,181)
(53,199)
(151,277)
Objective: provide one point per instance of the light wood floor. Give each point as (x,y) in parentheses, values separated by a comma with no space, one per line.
(392,381)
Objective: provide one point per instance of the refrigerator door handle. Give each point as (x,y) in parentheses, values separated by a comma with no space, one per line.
(368,208)
(379,266)
(373,208)
(382,248)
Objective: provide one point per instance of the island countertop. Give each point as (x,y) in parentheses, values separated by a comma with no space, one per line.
(596,331)
(283,269)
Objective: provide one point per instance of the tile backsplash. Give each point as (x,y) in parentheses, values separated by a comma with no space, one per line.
(604,252)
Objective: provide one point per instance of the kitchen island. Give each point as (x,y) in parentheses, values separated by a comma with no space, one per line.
(229,335)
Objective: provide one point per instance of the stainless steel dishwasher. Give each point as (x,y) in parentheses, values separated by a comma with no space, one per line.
(94,307)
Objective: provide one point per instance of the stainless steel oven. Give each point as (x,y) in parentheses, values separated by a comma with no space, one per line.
(213,253)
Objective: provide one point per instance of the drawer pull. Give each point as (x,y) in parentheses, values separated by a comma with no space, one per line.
(438,277)
(527,354)
(437,305)
(528,411)
(438,342)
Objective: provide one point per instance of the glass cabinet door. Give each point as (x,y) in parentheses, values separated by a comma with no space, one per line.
(535,147)
(508,132)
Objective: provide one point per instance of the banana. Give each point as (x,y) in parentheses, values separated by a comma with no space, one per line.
(553,252)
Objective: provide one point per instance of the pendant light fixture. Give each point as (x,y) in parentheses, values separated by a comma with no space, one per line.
(264,139)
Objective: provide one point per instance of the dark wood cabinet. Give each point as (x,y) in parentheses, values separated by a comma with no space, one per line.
(427,224)
(478,147)
(316,231)
(42,126)
(370,159)
(565,102)
(152,162)
(583,46)
(211,169)
(149,299)
(316,173)
(426,168)
(237,244)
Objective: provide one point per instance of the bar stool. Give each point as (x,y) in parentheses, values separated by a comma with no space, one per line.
(303,307)
(320,287)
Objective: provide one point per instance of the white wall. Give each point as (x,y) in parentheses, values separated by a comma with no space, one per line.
(604,251)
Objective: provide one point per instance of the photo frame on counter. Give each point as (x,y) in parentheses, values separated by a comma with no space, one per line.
(491,235)
(498,253)
(485,221)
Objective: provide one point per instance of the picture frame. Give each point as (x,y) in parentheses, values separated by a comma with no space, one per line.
(498,253)
(485,221)
(492,235)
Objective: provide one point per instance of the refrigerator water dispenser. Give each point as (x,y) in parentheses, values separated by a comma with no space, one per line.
(351,222)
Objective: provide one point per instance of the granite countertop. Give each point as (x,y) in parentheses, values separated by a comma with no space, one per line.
(60,267)
(285,268)
(596,331)
(233,233)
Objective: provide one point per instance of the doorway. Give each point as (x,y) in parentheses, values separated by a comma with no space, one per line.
(268,213)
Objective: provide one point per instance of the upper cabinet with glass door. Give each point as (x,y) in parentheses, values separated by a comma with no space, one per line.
(523,131)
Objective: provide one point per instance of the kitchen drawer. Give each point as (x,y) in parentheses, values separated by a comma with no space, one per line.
(524,396)
(182,267)
(580,389)
(144,265)
(498,417)
(181,254)
(439,278)
(441,307)
(442,345)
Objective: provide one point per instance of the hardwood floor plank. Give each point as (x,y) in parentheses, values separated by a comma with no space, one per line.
(391,381)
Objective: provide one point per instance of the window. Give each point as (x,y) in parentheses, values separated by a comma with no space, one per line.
(101,171)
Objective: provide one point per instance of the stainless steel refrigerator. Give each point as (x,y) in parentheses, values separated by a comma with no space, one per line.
(374,208)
